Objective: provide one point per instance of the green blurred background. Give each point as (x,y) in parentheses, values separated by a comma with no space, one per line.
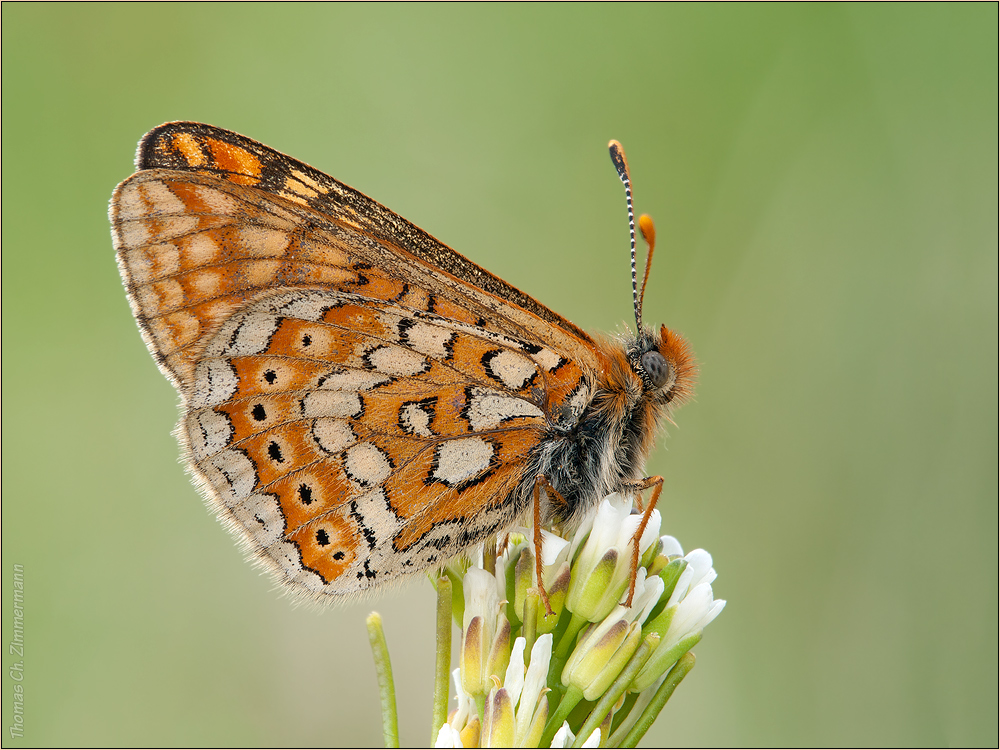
(824,179)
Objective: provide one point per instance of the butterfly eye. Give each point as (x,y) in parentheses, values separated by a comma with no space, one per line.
(657,367)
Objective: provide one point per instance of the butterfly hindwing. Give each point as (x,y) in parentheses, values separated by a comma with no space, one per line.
(343,423)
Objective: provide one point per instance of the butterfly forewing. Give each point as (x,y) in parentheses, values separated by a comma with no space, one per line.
(191,146)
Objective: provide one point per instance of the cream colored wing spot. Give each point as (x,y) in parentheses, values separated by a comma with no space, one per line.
(430,340)
(509,368)
(215,381)
(156,199)
(232,474)
(333,435)
(302,305)
(340,404)
(396,361)
(129,203)
(352,380)
(206,282)
(288,562)
(216,202)
(376,517)
(366,465)
(458,461)
(488,409)
(160,297)
(171,227)
(548,359)
(208,432)
(244,335)
(415,417)
(153,262)
(579,398)
(201,250)
(261,516)
(263,242)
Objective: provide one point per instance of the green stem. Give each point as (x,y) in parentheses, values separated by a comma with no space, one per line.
(573,696)
(568,639)
(386,687)
(610,697)
(457,596)
(530,626)
(679,671)
(443,657)
(563,648)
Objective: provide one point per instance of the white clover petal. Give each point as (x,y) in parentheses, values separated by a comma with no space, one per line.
(538,670)
(717,606)
(513,681)
(553,547)
(564,737)
(701,563)
(651,532)
(465,704)
(671,546)
(594,740)
(481,598)
(448,736)
(534,684)
(647,594)
(690,612)
(630,525)
(682,586)
(608,523)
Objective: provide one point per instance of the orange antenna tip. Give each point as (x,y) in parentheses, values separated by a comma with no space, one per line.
(648,229)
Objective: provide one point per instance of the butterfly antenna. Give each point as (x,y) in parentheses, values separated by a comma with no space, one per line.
(618,158)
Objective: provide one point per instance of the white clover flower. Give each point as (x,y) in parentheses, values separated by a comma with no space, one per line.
(603,650)
(689,610)
(602,569)
(485,633)
(592,648)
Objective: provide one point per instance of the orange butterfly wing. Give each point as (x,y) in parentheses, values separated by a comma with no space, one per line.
(359,399)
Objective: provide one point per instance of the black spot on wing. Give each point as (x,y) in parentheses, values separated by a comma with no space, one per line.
(305,494)
(274,452)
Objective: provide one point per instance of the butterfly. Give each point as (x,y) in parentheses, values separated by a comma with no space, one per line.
(361,403)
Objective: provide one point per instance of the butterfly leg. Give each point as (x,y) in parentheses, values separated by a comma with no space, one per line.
(638,488)
(542,482)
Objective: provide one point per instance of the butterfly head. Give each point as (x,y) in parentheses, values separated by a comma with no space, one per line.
(664,362)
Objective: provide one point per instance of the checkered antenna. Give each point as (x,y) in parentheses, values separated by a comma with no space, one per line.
(645,226)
